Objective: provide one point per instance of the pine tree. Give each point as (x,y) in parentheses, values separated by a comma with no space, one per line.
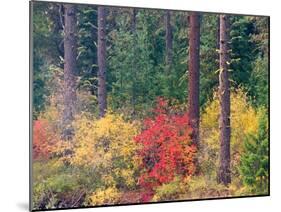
(169,40)
(70,70)
(194,75)
(255,161)
(224,174)
(101,62)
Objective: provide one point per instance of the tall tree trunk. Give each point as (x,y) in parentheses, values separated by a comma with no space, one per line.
(224,175)
(218,41)
(194,75)
(133,29)
(169,40)
(101,62)
(218,33)
(70,68)
(94,71)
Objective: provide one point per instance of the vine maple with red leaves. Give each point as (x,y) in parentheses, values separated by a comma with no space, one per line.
(167,150)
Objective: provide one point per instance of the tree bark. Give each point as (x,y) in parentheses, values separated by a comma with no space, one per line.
(218,41)
(218,33)
(70,69)
(224,175)
(94,71)
(133,29)
(194,75)
(169,40)
(101,62)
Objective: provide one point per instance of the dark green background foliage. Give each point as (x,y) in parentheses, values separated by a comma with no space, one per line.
(136,69)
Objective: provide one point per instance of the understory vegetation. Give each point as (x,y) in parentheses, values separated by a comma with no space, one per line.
(116,160)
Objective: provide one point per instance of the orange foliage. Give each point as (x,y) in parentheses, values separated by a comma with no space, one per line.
(43,140)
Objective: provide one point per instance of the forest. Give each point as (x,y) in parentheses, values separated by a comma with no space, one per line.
(134,105)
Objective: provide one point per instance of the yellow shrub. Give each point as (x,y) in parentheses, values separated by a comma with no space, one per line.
(244,120)
(107,146)
(107,196)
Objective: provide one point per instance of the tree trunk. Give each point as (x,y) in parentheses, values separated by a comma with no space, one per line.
(133,29)
(194,75)
(218,42)
(94,71)
(169,41)
(218,33)
(224,175)
(101,62)
(70,68)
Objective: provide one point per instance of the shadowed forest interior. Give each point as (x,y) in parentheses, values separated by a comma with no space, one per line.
(134,105)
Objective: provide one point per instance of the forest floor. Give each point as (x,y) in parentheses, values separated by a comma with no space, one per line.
(131,196)
(135,196)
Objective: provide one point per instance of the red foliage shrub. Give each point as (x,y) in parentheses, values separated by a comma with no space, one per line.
(42,140)
(166,150)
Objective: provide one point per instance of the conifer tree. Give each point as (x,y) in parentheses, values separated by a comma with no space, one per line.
(254,166)
(224,174)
